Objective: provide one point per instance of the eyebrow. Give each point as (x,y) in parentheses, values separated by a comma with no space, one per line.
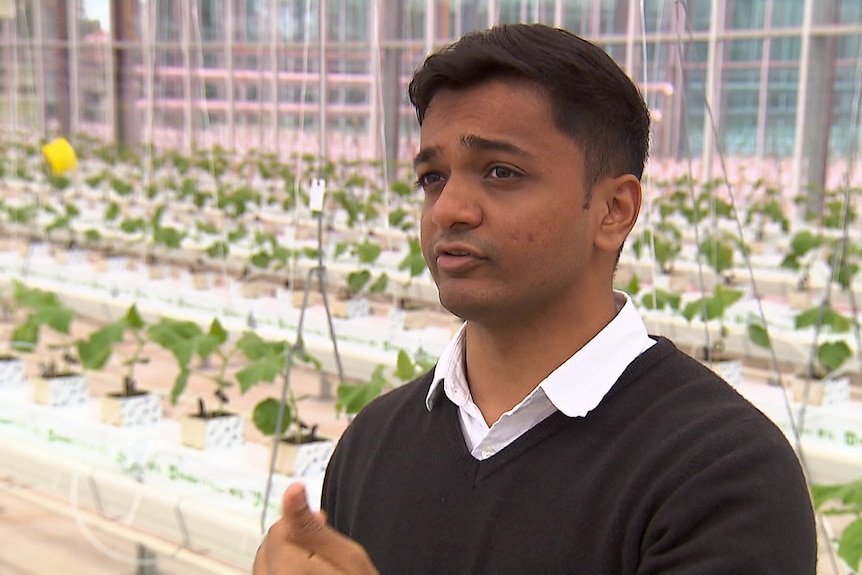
(472,142)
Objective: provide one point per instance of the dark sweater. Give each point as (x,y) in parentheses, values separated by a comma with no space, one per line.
(674,472)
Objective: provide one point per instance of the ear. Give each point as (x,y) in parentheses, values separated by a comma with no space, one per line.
(621,204)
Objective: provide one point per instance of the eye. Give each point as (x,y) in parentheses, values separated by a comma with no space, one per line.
(502,173)
(429,180)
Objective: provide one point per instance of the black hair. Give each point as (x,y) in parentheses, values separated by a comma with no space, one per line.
(593,101)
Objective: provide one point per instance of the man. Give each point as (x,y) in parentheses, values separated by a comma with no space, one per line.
(554,435)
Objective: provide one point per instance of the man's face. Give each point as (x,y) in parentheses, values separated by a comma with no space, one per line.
(504,230)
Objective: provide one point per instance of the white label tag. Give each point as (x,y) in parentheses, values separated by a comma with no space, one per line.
(316,194)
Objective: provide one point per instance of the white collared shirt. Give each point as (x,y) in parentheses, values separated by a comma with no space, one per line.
(575,388)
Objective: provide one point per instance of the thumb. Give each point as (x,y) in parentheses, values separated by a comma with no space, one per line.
(301,521)
(308,530)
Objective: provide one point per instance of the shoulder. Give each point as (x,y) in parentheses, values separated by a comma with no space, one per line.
(699,414)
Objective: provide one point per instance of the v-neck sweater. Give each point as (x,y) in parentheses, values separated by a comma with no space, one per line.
(673,472)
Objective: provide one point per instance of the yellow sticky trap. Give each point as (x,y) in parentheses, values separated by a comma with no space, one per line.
(61,156)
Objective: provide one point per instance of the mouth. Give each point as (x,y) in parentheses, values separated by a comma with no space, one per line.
(456,250)
(456,258)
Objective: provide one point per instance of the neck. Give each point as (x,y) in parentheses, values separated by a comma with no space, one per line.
(505,363)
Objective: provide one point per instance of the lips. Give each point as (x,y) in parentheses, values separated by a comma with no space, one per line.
(456,258)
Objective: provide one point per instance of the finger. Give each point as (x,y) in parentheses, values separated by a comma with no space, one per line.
(284,558)
(309,531)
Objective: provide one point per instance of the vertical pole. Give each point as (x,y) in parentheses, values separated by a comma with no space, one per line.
(229,82)
(801,99)
(61,72)
(374,92)
(429,24)
(124,95)
(558,13)
(763,93)
(391,86)
(275,119)
(631,24)
(322,88)
(74,68)
(110,84)
(10,39)
(188,110)
(818,121)
(493,13)
(711,94)
(38,44)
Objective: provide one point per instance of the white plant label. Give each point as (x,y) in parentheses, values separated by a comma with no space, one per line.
(316,194)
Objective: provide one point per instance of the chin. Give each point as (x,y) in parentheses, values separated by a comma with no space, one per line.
(465,307)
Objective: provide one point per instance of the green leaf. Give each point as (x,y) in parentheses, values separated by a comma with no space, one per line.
(850,544)
(180,337)
(849,494)
(824,316)
(405,369)
(265,417)
(180,385)
(167,236)
(692,308)
(92,235)
(264,369)
(397,216)
(25,336)
(57,318)
(218,331)
(832,355)
(340,249)
(132,225)
(261,260)
(207,345)
(357,280)
(633,287)
(803,242)
(717,253)
(367,252)
(758,335)
(218,250)
(352,398)
(660,299)
(33,297)
(379,285)
(206,228)
(727,296)
(96,350)
(402,188)
(253,346)
(134,319)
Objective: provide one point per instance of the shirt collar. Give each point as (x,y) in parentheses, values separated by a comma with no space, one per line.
(580,383)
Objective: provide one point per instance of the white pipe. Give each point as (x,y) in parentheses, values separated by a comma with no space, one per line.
(763,95)
(429,26)
(801,99)
(712,99)
(188,136)
(273,57)
(228,55)
(35,469)
(39,63)
(323,96)
(72,27)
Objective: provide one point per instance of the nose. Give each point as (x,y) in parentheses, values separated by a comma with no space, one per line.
(457,205)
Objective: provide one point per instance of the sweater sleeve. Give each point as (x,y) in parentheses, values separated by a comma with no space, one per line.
(740,505)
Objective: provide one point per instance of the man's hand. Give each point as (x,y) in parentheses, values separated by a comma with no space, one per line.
(301,542)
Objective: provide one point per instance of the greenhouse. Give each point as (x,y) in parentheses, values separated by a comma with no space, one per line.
(212,253)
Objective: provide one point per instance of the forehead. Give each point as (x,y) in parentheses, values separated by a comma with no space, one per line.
(499,115)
